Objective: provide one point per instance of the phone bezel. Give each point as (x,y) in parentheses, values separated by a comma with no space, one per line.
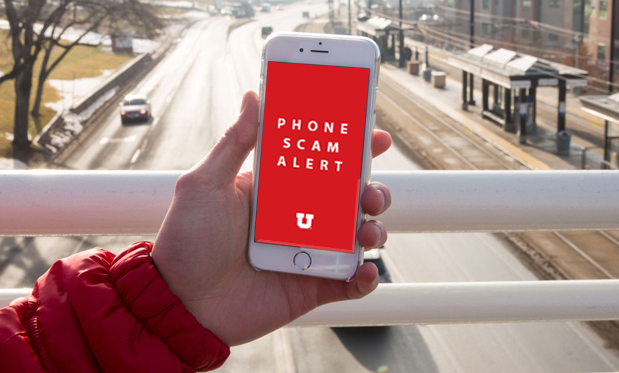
(350,51)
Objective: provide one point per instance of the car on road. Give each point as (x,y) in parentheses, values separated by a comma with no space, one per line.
(243,10)
(135,108)
(266,31)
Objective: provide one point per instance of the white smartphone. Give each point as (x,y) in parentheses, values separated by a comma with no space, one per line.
(313,156)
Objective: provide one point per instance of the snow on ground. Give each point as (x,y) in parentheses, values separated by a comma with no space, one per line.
(12,164)
(73,90)
(93,38)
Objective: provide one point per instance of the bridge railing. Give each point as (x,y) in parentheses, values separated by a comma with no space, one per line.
(54,202)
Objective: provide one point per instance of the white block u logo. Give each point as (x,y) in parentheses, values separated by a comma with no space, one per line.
(308,222)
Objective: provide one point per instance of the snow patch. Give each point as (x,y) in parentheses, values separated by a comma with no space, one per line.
(12,164)
(92,38)
(73,123)
(73,90)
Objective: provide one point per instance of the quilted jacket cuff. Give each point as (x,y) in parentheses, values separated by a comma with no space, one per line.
(149,299)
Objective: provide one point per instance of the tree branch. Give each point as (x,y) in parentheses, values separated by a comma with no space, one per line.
(11,75)
(68,48)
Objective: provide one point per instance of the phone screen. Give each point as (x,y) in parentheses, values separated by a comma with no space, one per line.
(311,156)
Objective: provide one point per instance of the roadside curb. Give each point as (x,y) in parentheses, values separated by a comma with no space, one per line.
(65,126)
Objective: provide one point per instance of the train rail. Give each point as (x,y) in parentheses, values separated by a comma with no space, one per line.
(445,144)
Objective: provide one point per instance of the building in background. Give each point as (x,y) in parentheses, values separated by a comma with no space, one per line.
(571,32)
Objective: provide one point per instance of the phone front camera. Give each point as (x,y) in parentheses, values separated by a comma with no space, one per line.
(301,50)
(320,43)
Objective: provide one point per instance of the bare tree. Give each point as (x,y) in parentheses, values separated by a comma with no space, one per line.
(39,26)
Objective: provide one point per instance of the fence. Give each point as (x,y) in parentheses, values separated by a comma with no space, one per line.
(135,202)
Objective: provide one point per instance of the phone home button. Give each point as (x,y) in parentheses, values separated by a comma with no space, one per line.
(302,260)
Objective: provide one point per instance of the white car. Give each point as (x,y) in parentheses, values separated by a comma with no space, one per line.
(135,108)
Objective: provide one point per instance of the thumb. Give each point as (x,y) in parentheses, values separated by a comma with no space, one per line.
(224,161)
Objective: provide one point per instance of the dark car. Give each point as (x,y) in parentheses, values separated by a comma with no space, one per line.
(375,257)
(134,108)
(266,31)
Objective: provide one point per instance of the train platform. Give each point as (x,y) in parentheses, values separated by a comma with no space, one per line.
(539,150)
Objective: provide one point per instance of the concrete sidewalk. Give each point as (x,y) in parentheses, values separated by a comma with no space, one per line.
(538,152)
(548,95)
(541,145)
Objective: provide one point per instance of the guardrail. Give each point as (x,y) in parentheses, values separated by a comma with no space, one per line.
(135,202)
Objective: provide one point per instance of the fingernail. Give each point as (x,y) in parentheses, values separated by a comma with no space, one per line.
(379,234)
(386,200)
(243,103)
(382,195)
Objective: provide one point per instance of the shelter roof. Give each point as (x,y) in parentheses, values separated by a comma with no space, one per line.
(606,107)
(515,70)
(376,23)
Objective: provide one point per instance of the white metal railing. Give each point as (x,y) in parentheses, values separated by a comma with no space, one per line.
(474,302)
(135,202)
(466,302)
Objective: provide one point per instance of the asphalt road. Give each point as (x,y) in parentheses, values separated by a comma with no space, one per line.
(195,93)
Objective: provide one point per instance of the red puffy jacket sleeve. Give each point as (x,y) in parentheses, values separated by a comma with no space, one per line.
(97,312)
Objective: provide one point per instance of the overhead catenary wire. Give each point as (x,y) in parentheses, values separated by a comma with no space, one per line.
(589,78)
(465,43)
(481,14)
(439,34)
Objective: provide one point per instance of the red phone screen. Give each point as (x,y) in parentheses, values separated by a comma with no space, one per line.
(311,155)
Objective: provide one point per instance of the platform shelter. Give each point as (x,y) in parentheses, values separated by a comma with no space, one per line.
(607,108)
(383,31)
(514,78)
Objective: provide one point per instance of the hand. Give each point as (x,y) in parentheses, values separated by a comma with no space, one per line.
(201,248)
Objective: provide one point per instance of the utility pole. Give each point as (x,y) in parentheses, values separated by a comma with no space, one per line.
(349,19)
(471,98)
(611,77)
(611,71)
(581,36)
(401,37)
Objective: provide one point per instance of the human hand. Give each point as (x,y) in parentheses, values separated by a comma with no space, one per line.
(201,248)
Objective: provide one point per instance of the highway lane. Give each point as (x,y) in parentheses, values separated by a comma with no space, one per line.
(182,127)
(196,94)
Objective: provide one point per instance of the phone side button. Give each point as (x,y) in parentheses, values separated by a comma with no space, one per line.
(302,260)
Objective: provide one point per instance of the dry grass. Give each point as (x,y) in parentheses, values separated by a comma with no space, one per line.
(81,62)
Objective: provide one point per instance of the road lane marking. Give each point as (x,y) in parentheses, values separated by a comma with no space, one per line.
(116,140)
(284,358)
(136,155)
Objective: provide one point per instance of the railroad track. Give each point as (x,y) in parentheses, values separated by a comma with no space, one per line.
(437,141)
(445,144)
